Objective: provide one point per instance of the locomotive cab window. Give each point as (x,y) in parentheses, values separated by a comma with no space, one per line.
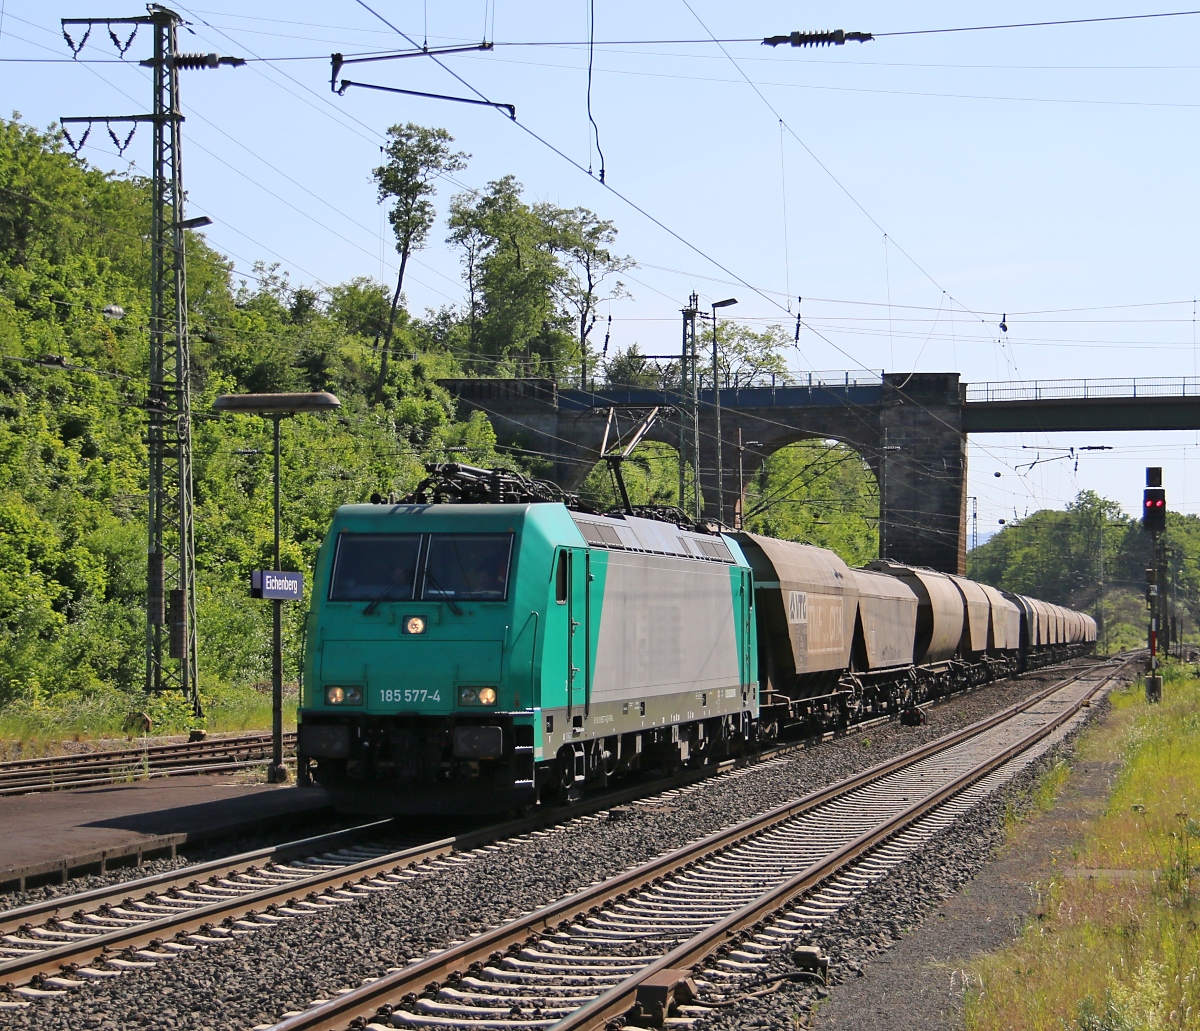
(375,567)
(560,579)
(467,567)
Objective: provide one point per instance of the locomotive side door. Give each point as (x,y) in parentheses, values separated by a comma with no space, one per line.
(748,624)
(578,657)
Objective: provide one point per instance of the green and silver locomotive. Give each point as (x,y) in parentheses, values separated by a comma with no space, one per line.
(480,657)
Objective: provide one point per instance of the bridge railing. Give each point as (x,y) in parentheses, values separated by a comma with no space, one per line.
(1067,389)
(827,380)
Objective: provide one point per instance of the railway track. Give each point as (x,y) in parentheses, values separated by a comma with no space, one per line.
(127,925)
(700,924)
(94,769)
(140,923)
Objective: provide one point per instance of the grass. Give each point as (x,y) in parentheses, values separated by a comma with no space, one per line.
(44,726)
(1119,951)
(1049,787)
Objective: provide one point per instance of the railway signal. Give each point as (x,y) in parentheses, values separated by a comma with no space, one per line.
(1154,510)
(1154,522)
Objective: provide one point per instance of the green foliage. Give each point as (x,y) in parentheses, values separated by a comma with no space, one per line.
(819,492)
(651,476)
(513,273)
(744,354)
(631,368)
(584,242)
(1064,557)
(416,158)
(73,458)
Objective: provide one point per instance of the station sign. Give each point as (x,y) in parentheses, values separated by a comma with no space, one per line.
(276,584)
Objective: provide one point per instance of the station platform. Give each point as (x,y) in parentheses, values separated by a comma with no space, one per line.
(53,836)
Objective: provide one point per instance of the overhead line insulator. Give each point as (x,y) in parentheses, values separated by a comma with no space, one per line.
(832,37)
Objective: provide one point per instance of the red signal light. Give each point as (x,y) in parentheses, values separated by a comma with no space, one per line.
(1154,510)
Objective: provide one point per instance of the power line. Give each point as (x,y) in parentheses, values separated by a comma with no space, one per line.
(1040,24)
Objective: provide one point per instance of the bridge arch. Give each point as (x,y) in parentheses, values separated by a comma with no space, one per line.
(907,428)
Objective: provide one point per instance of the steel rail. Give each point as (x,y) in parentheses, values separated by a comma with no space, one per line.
(619,1000)
(26,776)
(70,955)
(360,1005)
(117,754)
(53,961)
(130,775)
(12,919)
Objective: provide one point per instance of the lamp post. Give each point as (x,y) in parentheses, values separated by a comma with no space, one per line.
(741,514)
(717,404)
(276,407)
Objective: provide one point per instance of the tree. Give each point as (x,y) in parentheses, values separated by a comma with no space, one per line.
(584,240)
(818,491)
(743,354)
(415,158)
(631,368)
(360,306)
(511,266)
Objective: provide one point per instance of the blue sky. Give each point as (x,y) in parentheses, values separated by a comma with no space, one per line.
(919,187)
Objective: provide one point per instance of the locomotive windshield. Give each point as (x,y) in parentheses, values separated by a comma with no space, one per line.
(467,567)
(451,567)
(375,567)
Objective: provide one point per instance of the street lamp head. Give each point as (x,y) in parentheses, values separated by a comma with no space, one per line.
(725,303)
(199,222)
(276,404)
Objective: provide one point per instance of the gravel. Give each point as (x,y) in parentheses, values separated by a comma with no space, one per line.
(892,907)
(186,855)
(259,976)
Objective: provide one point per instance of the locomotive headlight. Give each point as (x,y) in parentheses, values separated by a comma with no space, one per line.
(343,695)
(476,696)
(414,624)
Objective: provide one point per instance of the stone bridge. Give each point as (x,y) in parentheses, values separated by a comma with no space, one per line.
(910,428)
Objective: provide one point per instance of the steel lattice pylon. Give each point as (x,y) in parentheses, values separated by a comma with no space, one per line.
(172,549)
(171,641)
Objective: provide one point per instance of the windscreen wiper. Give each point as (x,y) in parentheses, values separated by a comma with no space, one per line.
(437,586)
(389,594)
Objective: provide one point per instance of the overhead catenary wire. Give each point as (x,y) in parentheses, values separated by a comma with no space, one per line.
(591,9)
(647,265)
(687,243)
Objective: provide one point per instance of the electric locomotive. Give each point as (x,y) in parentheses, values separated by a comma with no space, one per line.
(477,657)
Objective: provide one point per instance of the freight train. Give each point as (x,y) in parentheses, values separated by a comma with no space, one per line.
(483,646)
